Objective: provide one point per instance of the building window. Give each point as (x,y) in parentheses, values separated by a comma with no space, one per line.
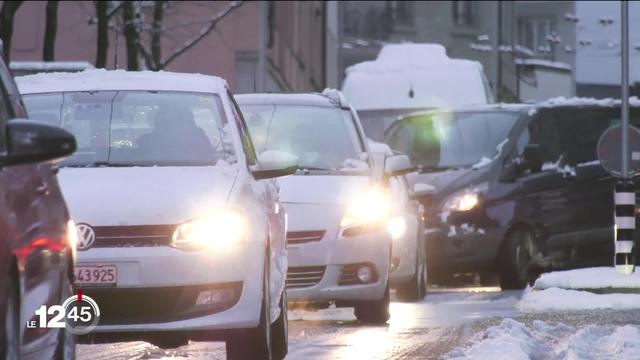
(533,33)
(462,13)
(403,12)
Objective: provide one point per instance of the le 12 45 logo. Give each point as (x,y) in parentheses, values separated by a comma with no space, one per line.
(79,314)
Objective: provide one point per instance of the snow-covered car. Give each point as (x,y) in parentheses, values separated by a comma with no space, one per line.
(179,238)
(338,243)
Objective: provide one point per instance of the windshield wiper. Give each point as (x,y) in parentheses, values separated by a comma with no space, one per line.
(432,168)
(312,168)
(109,164)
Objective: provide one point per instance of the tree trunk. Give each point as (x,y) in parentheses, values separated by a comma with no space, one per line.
(102,7)
(130,35)
(156,47)
(7,14)
(50,29)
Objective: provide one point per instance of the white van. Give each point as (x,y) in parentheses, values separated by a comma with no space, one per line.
(409,77)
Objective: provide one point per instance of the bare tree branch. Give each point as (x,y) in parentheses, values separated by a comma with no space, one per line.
(50,30)
(203,33)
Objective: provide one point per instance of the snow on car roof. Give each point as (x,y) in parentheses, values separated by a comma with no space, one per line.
(101,79)
(581,101)
(285,99)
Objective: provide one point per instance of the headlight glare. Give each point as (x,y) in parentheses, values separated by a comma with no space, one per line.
(368,207)
(397,227)
(220,229)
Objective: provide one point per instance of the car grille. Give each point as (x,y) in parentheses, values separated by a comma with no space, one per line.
(307,276)
(301,237)
(138,235)
(151,305)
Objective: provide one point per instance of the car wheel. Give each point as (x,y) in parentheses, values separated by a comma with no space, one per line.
(515,259)
(10,342)
(280,331)
(255,343)
(374,312)
(66,349)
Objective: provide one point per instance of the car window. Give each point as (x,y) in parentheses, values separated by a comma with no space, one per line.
(457,139)
(140,128)
(321,137)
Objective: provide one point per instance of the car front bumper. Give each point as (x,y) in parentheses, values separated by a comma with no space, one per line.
(337,259)
(170,281)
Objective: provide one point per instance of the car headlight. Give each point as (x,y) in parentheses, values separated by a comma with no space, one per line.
(464,200)
(371,206)
(219,229)
(397,227)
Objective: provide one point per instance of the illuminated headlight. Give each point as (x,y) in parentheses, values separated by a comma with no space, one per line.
(465,200)
(218,230)
(397,227)
(368,207)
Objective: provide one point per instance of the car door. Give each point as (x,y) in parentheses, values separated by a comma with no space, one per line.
(546,203)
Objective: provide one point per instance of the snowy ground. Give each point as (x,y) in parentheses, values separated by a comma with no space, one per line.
(514,340)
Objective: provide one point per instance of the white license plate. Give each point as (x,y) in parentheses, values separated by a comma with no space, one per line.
(95,275)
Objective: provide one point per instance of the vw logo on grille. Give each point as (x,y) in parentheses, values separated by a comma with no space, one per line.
(86,236)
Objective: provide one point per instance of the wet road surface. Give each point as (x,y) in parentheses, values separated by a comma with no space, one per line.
(446,318)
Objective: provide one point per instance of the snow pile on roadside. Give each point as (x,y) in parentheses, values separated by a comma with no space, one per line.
(556,299)
(515,340)
(588,278)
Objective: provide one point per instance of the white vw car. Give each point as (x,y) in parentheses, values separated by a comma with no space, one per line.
(179,238)
(338,208)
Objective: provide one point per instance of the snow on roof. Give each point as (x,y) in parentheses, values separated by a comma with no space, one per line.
(407,51)
(50,65)
(284,99)
(578,101)
(544,63)
(101,79)
(414,65)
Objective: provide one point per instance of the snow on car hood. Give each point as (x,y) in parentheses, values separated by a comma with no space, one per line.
(320,189)
(109,196)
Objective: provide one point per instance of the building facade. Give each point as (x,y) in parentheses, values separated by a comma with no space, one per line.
(494,33)
(294,39)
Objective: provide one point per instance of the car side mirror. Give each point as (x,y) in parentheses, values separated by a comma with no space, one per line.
(532,156)
(31,141)
(397,165)
(421,190)
(272,164)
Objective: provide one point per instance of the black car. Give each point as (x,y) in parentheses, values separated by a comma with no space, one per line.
(519,189)
(36,252)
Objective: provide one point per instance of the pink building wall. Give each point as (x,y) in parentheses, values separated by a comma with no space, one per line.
(76,37)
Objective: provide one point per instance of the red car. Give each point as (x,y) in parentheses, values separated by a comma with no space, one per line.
(36,234)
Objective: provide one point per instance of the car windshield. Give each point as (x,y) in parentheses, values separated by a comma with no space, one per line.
(138,128)
(376,122)
(323,138)
(451,140)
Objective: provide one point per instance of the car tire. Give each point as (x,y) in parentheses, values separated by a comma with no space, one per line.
(66,349)
(254,343)
(416,288)
(514,259)
(10,342)
(280,331)
(374,312)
